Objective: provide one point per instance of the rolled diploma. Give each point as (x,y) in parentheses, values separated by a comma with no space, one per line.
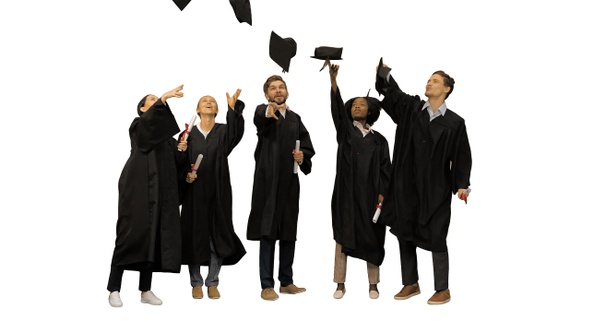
(195,166)
(295,165)
(189,128)
(377,213)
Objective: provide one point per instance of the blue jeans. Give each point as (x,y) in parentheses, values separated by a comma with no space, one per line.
(213,274)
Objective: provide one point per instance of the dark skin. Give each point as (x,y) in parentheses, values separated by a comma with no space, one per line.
(359,112)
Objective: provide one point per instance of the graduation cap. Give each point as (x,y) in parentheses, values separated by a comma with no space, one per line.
(327,53)
(382,73)
(242,10)
(281,50)
(181,3)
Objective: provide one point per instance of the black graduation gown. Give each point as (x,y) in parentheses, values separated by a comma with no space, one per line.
(148,225)
(275,194)
(431,161)
(207,202)
(362,173)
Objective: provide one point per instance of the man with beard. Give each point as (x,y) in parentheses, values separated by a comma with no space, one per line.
(362,176)
(431,162)
(275,194)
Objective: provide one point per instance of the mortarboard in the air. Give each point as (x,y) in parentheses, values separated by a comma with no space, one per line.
(181,3)
(242,10)
(327,53)
(281,50)
(382,73)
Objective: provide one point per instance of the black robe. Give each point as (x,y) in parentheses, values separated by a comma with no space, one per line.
(362,173)
(275,196)
(207,202)
(431,161)
(148,225)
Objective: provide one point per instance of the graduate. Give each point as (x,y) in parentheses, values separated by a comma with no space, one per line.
(362,175)
(208,236)
(148,225)
(431,162)
(275,196)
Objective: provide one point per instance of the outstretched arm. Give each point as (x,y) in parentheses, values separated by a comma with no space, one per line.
(333,74)
(174,93)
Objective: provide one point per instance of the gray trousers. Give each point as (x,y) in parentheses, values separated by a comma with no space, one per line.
(409,265)
(213,274)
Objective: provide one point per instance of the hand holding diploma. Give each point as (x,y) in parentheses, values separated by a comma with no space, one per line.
(187,130)
(464,193)
(378,209)
(192,175)
(377,212)
(297,156)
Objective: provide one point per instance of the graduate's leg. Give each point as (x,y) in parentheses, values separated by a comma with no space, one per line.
(440,263)
(115,279)
(214,267)
(340,263)
(286,258)
(440,256)
(373,273)
(409,262)
(145,279)
(195,275)
(266,263)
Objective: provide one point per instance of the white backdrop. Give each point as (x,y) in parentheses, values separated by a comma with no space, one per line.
(72,73)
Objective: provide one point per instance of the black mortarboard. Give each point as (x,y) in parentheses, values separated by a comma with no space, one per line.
(181,3)
(327,53)
(242,10)
(382,73)
(281,50)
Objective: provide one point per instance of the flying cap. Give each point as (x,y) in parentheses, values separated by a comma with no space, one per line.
(242,10)
(281,50)
(327,53)
(381,79)
(181,3)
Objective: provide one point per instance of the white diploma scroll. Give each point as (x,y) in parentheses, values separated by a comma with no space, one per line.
(377,213)
(195,166)
(295,165)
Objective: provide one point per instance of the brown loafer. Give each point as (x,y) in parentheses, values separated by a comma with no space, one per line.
(197,292)
(407,292)
(213,292)
(269,294)
(291,289)
(440,297)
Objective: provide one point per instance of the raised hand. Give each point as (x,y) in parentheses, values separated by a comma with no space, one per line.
(176,93)
(231,100)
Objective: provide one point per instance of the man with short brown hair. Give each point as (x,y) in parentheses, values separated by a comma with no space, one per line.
(431,162)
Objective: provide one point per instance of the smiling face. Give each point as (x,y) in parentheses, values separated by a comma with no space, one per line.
(360,109)
(207,106)
(435,87)
(149,101)
(277,92)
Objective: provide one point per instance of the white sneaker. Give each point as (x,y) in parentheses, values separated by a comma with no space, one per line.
(115,299)
(150,297)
